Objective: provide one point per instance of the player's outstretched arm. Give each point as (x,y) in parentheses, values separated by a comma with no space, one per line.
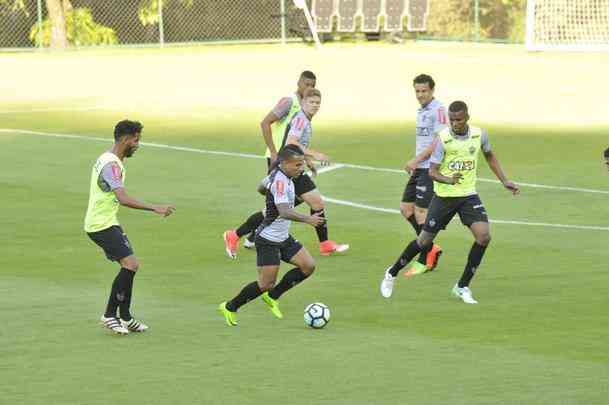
(495,166)
(288,213)
(127,201)
(412,164)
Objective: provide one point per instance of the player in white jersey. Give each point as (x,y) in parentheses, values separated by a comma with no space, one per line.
(273,240)
(431,119)
(299,132)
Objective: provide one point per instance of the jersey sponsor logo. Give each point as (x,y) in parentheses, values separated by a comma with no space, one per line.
(442,116)
(422,188)
(462,165)
(116,172)
(472,150)
(280,188)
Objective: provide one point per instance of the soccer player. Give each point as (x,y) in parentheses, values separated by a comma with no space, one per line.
(273,240)
(606,154)
(431,119)
(298,131)
(453,167)
(107,193)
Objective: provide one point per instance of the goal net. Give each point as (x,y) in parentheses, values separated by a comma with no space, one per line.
(571,25)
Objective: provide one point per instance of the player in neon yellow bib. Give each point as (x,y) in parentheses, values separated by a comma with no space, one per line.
(106,194)
(454,165)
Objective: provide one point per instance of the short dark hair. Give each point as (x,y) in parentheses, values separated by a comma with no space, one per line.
(606,153)
(422,79)
(457,106)
(126,127)
(289,152)
(307,74)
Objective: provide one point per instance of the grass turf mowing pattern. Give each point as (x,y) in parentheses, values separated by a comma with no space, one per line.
(535,337)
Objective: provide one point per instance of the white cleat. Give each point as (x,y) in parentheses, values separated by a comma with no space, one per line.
(387,284)
(464,293)
(134,326)
(114,325)
(249,245)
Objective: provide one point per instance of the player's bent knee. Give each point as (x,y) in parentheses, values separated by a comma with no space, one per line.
(484,240)
(130,263)
(308,269)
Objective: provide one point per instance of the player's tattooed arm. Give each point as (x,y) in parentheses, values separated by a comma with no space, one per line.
(434,173)
(288,213)
(127,201)
(495,166)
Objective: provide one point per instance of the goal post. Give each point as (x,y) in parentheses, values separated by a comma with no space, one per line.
(569,25)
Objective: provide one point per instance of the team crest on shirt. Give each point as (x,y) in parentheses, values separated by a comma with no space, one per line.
(472,150)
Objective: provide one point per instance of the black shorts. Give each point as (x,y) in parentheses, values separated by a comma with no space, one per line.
(272,253)
(113,241)
(443,209)
(419,189)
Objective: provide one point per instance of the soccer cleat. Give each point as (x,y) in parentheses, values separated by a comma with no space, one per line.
(231,243)
(387,284)
(329,246)
(134,325)
(273,305)
(114,325)
(249,244)
(415,268)
(464,293)
(433,257)
(229,316)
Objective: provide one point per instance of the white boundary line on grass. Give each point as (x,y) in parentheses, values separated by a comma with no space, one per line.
(324,170)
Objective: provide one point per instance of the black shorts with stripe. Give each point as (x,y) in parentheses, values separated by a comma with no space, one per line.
(443,209)
(113,241)
(270,253)
(419,189)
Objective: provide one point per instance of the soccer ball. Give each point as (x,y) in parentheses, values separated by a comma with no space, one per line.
(317,315)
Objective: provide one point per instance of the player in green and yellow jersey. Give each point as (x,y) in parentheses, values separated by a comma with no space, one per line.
(453,167)
(106,194)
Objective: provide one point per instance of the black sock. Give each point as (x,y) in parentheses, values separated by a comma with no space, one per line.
(248,293)
(409,253)
(473,261)
(120,295)
(125,288)
(424,251)
(250,224)
(289,280)
(415,225)
(322,230)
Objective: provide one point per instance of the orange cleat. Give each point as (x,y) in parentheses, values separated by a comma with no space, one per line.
(433,257)
(231,243)
(326,248)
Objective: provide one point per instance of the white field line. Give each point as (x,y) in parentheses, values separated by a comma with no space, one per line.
(322,170)
(532,185)
(494,221)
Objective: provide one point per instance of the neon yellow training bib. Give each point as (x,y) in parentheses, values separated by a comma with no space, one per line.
(103,205)
(460,156)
